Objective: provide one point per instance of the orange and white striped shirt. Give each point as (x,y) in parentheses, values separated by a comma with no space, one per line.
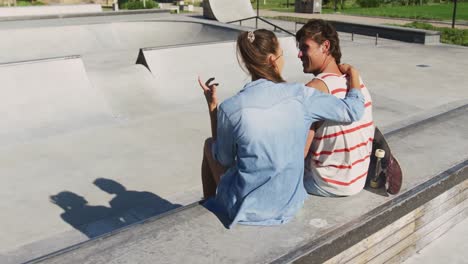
(338,159)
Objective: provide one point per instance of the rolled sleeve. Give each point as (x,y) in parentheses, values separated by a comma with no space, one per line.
(223,148)
(321,106)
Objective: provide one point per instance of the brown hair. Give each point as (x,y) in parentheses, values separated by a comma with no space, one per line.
(254,52)
(320,30)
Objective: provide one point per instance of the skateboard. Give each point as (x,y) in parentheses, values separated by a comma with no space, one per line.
(384,169)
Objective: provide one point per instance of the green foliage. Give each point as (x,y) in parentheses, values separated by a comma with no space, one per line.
(420,25)
(448,35)
(137,4)
(29,3)
(432,11)
(276,5)
(369,3)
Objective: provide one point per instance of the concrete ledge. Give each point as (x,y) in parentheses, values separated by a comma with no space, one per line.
(359,229)
(77,15)
(411,35)
(322,230)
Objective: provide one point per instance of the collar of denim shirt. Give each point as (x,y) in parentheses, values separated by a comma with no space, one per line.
(256,83)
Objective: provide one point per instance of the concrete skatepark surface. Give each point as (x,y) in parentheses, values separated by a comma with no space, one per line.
(447,248)
(104,128)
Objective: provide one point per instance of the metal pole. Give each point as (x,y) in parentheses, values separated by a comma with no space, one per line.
(376,38)
(258,13)
(352,36)
(454,13)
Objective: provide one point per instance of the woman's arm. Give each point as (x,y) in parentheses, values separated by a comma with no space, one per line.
(320,106)
(211,99)
(222,148)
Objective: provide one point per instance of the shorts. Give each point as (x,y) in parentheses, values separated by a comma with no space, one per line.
(312,187)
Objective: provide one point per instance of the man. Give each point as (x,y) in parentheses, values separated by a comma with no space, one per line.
(337,156)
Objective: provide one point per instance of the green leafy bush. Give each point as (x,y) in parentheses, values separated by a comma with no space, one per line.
(448,35)
(369,3)
(29,3)
(137,4)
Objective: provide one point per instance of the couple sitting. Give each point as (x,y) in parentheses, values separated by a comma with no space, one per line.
(275,141)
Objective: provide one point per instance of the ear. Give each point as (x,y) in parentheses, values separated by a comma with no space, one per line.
(325,47)
(271,60)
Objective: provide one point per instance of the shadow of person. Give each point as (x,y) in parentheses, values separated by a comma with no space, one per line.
(132,206)
(83,217)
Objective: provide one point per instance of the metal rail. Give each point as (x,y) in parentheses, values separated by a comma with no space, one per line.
(265,21)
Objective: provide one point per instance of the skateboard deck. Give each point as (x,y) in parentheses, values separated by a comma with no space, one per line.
(384,169)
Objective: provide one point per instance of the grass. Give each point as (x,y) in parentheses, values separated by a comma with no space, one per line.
(434,11)
(448,35)
(275,5)
(27,3)
(430,11)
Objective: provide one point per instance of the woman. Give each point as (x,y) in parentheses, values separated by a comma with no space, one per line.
(254,164)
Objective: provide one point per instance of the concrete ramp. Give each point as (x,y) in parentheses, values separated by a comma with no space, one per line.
(103,39)
(47,96)
(176,69)
(48,10)
(228,10)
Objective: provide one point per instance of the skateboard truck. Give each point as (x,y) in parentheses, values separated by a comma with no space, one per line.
(378,179)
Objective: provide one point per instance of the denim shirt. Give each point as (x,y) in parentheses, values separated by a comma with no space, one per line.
(261,136)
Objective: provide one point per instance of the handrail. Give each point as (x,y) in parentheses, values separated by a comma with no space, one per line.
(265,21)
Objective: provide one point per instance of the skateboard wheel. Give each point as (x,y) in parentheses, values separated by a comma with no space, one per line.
(374,184)
(379,153)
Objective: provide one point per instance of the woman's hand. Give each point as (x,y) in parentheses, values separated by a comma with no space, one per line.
(348,69)
(353,74)
(209,89)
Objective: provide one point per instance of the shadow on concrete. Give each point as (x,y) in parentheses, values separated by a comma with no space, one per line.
(127,207)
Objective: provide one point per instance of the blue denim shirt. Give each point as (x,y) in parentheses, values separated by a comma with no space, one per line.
(261,137)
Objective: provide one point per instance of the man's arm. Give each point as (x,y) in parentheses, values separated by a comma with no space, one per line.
(310,136)
(319,85)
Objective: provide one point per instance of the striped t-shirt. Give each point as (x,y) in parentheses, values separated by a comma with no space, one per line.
(339,156)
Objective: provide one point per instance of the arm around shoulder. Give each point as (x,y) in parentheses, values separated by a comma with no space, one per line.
(320,106)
